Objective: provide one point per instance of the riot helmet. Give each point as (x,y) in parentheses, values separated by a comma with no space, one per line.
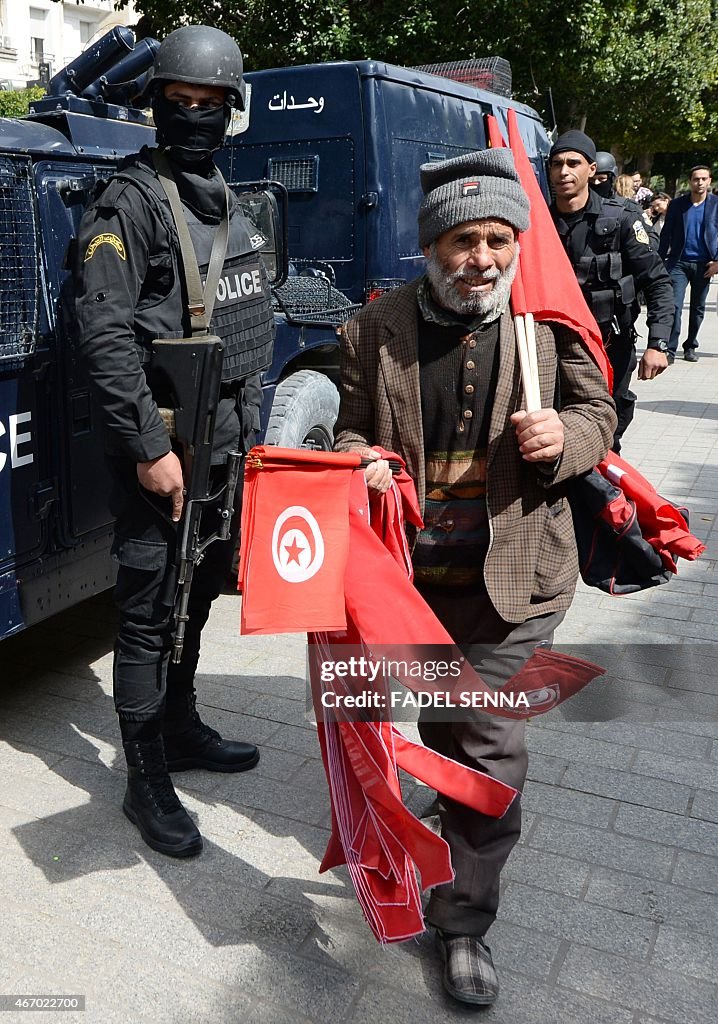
(202,55)
(606,163)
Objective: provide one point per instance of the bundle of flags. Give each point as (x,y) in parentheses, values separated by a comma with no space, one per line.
(319,555)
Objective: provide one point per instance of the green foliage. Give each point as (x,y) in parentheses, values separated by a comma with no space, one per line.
(16,102)
(639,75)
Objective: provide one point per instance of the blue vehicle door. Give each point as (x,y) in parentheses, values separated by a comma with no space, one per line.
(24,384)
(63,190)
(304,127)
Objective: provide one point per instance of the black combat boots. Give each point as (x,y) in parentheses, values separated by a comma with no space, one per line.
(189,743)
(152,804)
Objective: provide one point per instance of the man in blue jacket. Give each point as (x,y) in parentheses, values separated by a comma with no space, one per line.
(689,245)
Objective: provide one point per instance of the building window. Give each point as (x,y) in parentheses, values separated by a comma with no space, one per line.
(38,22)
(86,32)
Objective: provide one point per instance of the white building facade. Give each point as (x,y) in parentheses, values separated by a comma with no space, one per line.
(35,32)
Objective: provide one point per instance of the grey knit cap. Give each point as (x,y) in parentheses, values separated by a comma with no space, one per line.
(471,187)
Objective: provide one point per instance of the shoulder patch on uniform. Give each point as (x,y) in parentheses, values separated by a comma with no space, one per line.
(640,232)
(257,240)
(105,239)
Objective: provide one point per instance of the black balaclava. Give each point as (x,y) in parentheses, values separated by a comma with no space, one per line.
(191,135)
(604,188)
(190,138)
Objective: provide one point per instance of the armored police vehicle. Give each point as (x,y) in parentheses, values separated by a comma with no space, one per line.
(342,140)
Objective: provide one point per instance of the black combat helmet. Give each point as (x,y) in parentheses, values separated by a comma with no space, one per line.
(606,163)
(201,55)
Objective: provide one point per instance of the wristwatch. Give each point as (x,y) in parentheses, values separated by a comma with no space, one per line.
(658,346)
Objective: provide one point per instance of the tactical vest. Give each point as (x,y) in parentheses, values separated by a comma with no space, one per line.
(243,316)
(611,294)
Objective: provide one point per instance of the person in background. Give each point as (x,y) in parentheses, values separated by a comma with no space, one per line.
(641,194)
(603,184)
(689,245)
(624,187)
(610,251)
(658,210)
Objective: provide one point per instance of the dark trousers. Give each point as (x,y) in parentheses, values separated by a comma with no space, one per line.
(686,273)
(621,352)
(488,743)
(145,545)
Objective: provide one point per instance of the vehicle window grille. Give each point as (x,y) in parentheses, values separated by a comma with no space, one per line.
(18,262)
(490,73)
(297,174)
(313,300)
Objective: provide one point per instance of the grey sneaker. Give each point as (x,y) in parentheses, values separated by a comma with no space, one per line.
(469,972)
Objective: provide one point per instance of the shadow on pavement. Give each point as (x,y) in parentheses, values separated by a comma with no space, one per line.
(255,883)
(674,407)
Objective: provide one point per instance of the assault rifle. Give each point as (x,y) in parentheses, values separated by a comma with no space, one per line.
(187,374)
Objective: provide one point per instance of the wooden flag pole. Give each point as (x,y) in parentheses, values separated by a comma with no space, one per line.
(526,343)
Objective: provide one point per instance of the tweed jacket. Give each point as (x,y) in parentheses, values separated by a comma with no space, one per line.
(531,566)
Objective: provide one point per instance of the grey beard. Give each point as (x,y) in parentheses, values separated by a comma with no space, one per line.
(488,306)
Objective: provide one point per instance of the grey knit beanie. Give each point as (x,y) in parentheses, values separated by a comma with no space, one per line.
(471,187)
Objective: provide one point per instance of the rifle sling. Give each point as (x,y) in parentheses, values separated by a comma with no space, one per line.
(200,302)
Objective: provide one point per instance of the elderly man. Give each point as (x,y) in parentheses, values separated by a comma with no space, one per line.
(430,371)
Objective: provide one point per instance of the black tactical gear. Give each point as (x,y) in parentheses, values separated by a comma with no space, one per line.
(243,316)
(610,250)
(201,55)
(130,289)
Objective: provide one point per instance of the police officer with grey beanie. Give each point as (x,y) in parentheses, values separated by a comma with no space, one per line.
(130,289)
(430,371)
(610,250)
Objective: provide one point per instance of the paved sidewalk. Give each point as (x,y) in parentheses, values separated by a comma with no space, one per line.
(609,906)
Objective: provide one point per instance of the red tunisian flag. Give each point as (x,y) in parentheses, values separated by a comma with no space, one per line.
(545,284)
(662,524)
(295,539)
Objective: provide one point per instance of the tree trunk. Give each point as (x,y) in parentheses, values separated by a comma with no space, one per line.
(645,163)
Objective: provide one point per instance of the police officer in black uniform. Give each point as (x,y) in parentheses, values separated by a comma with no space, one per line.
(603,183)
(610,251)
(130,289)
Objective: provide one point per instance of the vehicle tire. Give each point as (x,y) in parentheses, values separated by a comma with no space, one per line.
(304,411)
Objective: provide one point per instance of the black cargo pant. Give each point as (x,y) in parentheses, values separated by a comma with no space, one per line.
(480,844)
(144,547)
(621,352)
